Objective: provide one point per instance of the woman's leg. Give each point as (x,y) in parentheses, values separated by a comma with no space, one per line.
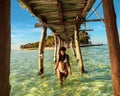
(60,77)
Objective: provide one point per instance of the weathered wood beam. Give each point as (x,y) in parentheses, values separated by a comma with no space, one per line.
(41,51)
(54,8)
(72,10)
(57,23)
(94,20)
(87,7)
(48,10)
(43,1)
(85,30)
(52,15)
(38,25)
(59,45)
(78,50)
(113,44)
(56,33)
(72,47)
(55,48)
(74,1)
(5,48)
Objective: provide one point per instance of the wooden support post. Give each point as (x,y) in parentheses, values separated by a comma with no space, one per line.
(55,48)
(72,48)
(59,45)
(67,44)
(41,50)
(113,44)
(61,42)
(5,47)
(78,50)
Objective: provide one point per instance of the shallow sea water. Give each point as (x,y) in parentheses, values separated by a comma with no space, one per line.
(95,82)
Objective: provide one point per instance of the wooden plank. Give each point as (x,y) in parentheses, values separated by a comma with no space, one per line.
(73,6)
(74,1)
(43,1)
(46,7)
(62,32)
(95,20)
(65,22)
(72,10)
(48,10)
(113,44)
(56,24)
(50,14)
(86,30)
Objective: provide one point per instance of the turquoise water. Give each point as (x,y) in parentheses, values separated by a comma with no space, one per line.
(96,82)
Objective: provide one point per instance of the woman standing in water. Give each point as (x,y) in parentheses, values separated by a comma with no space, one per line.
(62,66)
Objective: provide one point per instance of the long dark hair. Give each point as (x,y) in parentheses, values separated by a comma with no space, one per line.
(62,57)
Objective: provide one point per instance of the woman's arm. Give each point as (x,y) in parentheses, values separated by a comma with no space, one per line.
(69,66)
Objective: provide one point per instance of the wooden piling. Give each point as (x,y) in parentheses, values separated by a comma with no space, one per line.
(113,44)
(72,48)
(78,50)
(5,48)
(41,50)
(62,43)
(59,45)
(55,48)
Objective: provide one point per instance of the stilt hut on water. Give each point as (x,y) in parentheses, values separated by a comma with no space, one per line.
(64,18)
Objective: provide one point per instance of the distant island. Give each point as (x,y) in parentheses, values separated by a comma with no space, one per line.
(49,42)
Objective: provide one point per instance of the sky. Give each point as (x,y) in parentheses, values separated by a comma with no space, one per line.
(23,30)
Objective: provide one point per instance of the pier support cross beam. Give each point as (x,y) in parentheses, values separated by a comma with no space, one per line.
(5,48)
(41,50)
(78,50)
(113,44)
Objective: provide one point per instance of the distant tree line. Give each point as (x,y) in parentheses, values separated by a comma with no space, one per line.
(30,45)
(49,42)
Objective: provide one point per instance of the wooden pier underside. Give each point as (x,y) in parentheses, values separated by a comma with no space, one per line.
(59,15)
(64,18)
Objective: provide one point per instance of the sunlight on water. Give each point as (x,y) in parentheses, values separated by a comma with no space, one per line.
(95,82)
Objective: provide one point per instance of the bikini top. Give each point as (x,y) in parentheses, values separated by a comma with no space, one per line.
(65,61)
